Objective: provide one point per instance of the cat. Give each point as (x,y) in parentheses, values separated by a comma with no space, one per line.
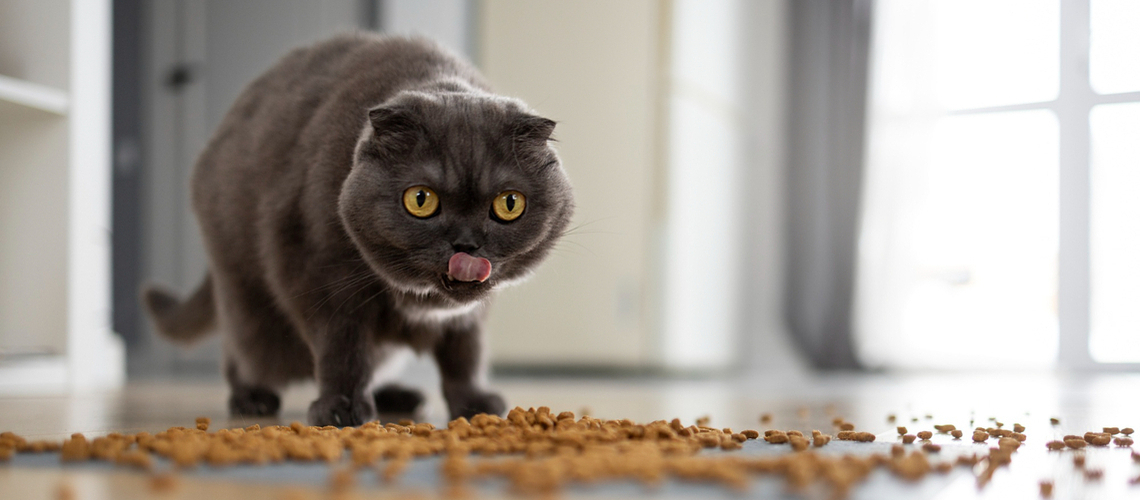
(363,197)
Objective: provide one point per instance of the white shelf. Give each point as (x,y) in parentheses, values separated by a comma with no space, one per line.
(33,95)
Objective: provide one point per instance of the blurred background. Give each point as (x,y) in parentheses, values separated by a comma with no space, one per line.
(764,186)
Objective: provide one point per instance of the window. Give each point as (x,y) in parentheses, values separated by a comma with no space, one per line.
(1000,201)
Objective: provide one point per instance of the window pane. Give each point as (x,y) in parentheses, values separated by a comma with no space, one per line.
(1114,51)
(996,52)
(959,269)
(1115,233)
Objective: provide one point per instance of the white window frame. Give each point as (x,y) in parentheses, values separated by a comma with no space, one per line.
(1075,100)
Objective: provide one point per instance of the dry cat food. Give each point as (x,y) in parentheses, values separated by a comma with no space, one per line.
(945,428)
(1127,431)
(902,430)
(1018,428)
(539,452)
(1046,489)
(957,433)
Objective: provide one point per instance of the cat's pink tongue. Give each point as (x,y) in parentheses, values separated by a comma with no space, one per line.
(463,267)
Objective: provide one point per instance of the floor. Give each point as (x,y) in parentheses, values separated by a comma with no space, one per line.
(1081,402)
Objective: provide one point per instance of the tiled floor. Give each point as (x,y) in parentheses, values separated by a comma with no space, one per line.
(1082,402)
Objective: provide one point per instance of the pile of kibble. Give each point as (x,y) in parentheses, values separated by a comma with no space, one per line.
(538,451)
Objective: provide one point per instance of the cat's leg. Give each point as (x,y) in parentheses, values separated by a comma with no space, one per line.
(395,399)
(248,400)
(262,350)
(389,398)
(462,369)
(343,368)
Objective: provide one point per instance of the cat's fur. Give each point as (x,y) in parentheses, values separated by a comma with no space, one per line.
(316,268)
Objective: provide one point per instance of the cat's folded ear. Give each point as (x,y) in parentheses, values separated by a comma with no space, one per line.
(533,128)
(395,128)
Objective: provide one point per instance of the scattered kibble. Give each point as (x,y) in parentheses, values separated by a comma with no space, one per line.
(925,435)
(1018,428)
(945,428)
(908,438)
(1054,420)
(847,426)
(703,421)
(750,434)
(931,447)
(891,418)
(1055,445)
(1112,430)
(1127,431)
(1075,444)
(1094,474)
(1079,460)
(765,418)
(1123,441)
(902,430)
(1098,438)
(202,423)
(1046,489)
(980,436)
(957,433)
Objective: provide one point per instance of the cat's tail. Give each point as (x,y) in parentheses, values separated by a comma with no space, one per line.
(182,321)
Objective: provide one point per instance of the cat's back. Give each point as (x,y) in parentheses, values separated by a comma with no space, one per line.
(286,144)
(347,74)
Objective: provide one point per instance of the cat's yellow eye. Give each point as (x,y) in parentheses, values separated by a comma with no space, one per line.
(508,205)
(421,201)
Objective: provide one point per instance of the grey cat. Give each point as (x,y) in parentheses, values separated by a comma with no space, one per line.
(364,196)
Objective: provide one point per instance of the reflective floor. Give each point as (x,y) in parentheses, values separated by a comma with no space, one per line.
(804,402)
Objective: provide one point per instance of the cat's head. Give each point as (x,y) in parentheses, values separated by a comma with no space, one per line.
(453,194)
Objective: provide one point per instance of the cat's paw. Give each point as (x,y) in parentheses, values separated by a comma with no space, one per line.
(473,402)
(338,410)
(254,402)
(396,399)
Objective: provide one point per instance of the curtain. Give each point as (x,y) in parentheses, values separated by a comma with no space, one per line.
(829,46)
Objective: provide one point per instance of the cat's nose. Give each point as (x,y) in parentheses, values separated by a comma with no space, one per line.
(466,246)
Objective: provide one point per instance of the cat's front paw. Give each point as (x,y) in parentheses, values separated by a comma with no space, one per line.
(254,402)
(473,402)
(338,410)
(394,399)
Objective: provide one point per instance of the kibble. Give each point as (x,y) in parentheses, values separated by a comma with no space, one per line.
(1112,430)
(765,418)
(908,438)
(1122,441)
(1018,428)
(202,423)
(925,435)
(945,428)
(1046,489)
(957,433)
(847,426)
(1055,445)
(1079,461)
(1054,420)
(1075,444)
(1127,431)
(902,430)
(980,436)
(931,447)
(750,434)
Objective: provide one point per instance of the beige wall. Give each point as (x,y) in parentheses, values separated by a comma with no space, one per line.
(593,66)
